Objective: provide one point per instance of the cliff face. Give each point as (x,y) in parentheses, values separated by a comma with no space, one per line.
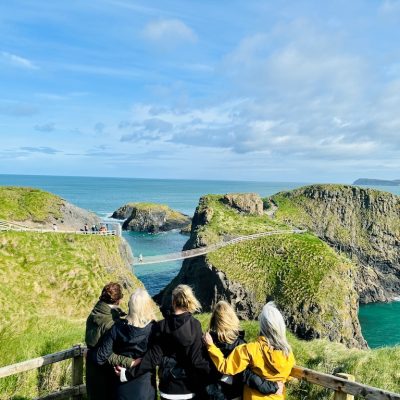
(362,223)
(312,285)
(150,217)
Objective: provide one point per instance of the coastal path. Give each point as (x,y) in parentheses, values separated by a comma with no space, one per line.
(13,226)
(343,385)
(183,255)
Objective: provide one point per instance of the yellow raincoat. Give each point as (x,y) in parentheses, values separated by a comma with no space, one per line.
(264,361)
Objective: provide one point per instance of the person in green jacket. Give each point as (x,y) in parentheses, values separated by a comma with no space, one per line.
(100,378)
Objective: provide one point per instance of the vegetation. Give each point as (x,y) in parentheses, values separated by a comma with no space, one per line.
(372,367)
(300,272)
(49,283)
(152,207)
(227,221)
(21,204)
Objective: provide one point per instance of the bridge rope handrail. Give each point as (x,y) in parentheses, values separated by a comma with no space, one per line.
(12,226)
(182,255)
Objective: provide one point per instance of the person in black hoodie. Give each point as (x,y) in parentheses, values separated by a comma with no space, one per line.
(131,338)
(225,330)
(178,350)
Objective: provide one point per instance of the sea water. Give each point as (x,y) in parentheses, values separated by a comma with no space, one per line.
(380,322)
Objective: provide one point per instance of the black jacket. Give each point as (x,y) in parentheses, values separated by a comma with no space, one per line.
(218,390)
(133,342)
(180,353)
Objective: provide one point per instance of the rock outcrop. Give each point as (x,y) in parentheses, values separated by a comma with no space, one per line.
(362,223)
(249,203)
(150,217)
(297,271)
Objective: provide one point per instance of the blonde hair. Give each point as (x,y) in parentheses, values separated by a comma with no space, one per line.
(141,308)
(272,327)
(184,298)
(224,322)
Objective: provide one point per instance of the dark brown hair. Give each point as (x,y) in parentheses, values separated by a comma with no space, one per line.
(111,293)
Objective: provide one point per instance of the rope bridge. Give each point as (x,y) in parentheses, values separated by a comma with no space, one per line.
(182,255)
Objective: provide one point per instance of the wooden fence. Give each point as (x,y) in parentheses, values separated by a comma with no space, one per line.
(343,385)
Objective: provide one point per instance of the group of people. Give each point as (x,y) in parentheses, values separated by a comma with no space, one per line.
(124,351)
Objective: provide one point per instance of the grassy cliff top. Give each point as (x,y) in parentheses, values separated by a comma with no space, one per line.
(154,207)
(21,204)
(48,285)
(226,220)
(345,213)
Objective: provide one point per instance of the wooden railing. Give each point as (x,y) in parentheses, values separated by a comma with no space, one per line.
(343,385)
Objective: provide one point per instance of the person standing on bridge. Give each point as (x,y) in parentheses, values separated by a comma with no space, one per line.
(269,357)
(100,379)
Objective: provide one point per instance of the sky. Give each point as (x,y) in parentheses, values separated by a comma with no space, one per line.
(301,91)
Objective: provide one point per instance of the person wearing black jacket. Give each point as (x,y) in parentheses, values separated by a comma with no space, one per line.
(178,350)
(131,338)
(225,330)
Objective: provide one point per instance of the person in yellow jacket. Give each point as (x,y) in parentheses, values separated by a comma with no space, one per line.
(270,356)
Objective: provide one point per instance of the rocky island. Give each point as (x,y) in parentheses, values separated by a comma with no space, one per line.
(150,217)
(350,254)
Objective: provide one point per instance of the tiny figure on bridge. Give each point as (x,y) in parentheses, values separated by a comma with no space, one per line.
(55,228)
(140,258)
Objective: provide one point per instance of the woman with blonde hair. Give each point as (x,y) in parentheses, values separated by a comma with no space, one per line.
(178,350)
(132,338)
(270,357)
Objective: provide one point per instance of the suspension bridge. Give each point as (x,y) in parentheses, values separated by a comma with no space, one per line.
(183,255)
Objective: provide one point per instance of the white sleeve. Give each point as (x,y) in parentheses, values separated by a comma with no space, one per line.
(122,375)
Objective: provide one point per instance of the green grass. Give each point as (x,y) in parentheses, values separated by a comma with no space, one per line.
(227,221)
(152,207)
(48,285)
(21,204)
(346,213)
(377,367)
(300,272)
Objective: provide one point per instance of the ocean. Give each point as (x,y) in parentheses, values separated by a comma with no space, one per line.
(104,195)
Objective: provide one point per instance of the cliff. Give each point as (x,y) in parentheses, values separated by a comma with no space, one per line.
(150,217)
(38,209)
(363,224)
(311,283)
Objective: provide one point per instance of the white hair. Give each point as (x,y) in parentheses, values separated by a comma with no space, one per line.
(272,327)
(141,308)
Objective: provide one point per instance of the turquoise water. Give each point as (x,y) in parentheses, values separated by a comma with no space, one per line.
(380,322)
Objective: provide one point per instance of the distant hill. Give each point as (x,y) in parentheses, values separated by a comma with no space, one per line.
(377,182)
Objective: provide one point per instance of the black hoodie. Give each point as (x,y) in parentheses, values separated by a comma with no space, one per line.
(180,353)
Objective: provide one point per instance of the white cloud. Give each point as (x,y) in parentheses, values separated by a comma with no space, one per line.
(169,31)
(18,61)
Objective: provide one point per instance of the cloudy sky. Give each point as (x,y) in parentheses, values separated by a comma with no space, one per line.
(201,89)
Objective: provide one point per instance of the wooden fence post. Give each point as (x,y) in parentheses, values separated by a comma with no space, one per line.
(344,396)
(77,371)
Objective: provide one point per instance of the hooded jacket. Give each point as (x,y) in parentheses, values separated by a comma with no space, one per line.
(130,341)
(263,360)
(180,353)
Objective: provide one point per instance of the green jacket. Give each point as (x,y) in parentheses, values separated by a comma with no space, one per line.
(99,321)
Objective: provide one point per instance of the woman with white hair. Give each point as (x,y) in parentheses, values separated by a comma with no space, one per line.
(132,338)
(270,356)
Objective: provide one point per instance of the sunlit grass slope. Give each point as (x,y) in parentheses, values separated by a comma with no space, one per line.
(48,285)
(376,367)
(21,204)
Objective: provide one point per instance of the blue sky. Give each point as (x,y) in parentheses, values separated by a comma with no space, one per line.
(243,90)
